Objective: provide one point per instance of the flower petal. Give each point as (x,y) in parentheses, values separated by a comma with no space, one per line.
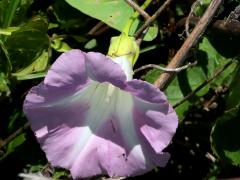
(103,69)
(125,65)
(96,122)
(145,91)
(68,69)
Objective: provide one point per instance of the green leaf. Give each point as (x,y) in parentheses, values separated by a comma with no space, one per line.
(8,31)
(35,168)
(60,174)
(70,18)
(152,33)
(179,10)
(14,144)
(186,81)
(60,46)
(36,23)
(13,12)
(4,83)
(14,120)
(190,79)
(226,43)
(5,64)
(23,46)
(9,13)
(173,92)
(91,44)
(52,25)
(174,95)
(114,13)
(233,98)
(152,75)
(209,57)
(22,12)
(32,76)
(3,7)
(225,137)
(28,48)
(200,7)
(211,60)
(149,48)
(38,65)
(226,76)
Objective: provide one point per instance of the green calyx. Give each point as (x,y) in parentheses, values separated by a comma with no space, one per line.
(124,45)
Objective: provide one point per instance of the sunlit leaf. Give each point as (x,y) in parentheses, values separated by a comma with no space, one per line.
(175,95)
(28,48)
(114,13)
(152,33)
(211,60)
(91,44)
(8,31)
(39,64)
(32,76)
(60,46)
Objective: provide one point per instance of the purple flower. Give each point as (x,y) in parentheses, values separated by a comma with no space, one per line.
(89,118)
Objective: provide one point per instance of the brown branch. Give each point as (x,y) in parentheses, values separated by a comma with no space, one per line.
(231,27)
(15,134)
(96,28)
(165,78)
(216,74)
(151,19)
(137,8)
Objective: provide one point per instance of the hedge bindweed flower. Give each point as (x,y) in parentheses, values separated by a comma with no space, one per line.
(92,118)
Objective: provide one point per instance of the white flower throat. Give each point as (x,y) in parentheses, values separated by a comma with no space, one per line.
(125,65)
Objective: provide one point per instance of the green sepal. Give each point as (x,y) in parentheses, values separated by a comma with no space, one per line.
(124,45)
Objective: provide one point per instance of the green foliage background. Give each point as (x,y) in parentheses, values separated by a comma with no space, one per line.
(34,33)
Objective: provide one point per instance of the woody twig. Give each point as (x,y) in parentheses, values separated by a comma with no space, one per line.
(177,61)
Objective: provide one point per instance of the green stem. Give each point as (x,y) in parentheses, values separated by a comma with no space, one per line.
(129,23)
(11,9)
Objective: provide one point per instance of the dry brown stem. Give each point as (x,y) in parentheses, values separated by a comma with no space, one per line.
(177,61)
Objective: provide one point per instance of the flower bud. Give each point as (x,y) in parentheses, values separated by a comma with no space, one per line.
(124,45)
